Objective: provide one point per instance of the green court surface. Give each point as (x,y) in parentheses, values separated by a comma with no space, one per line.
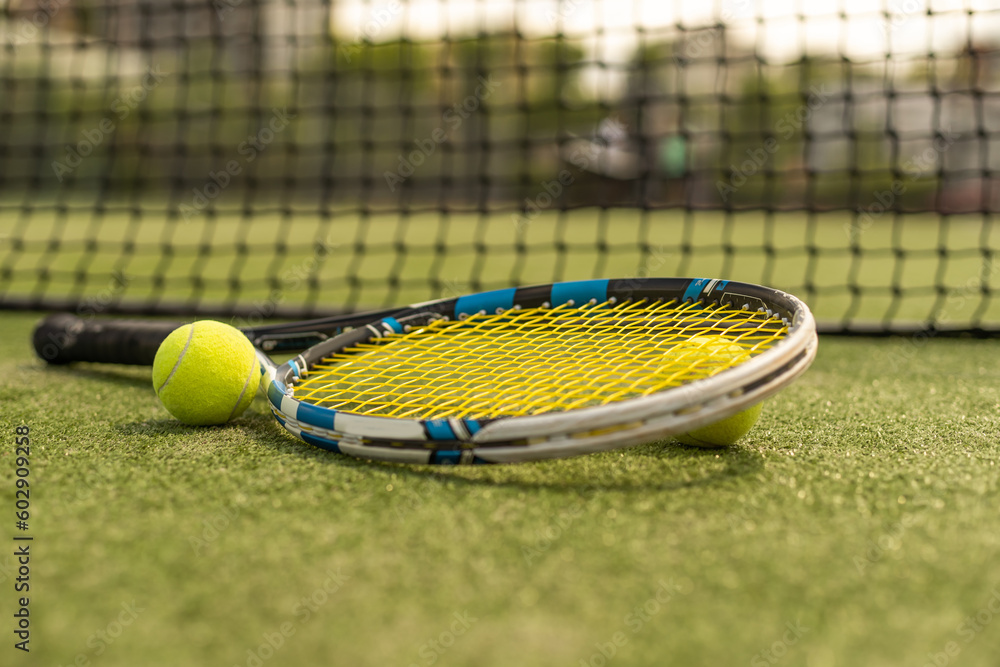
(856,525)
(845,267)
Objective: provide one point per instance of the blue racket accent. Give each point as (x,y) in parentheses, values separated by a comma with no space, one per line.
(553,430)
(315,416)
(488,301)
(694,289)
(703,287)
(393,324)
(439,429)
(713,285)
(281,401)
(275,392)
(461,441)
(579,292)
(451,429)
(323,443)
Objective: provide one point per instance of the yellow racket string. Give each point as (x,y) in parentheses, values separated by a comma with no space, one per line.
(537,360)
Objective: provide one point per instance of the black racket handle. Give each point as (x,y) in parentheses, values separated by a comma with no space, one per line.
(65,338)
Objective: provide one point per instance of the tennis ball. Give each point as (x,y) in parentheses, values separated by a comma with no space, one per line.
(703,356)
(725,432)
(717,348)
(713,354)
(206,373)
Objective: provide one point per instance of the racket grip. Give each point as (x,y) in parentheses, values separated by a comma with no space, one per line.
(65,338)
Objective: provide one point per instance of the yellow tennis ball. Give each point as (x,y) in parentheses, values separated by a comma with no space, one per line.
(717,349)
(701,356)
(206,373)
(705,356)
(725,432)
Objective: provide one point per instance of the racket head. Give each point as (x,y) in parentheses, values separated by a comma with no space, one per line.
(775,328)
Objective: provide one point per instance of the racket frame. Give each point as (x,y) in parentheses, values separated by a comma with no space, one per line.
(553,434)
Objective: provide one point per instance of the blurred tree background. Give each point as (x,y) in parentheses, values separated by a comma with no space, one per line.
(482,120)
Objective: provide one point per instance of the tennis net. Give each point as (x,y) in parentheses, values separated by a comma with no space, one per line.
(289,158)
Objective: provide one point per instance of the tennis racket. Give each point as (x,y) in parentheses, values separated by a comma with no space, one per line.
(518,374)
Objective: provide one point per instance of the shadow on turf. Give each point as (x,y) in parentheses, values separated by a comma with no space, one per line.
(676,466)
(129,377)
(660,466)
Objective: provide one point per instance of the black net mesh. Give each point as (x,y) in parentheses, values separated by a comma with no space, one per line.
(296,157)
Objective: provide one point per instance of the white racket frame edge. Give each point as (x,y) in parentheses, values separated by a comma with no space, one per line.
(586,430)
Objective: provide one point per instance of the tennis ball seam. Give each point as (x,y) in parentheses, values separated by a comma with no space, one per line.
(177,364)
(239,400)
(199,373)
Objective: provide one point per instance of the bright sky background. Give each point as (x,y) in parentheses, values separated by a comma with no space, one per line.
(780,29)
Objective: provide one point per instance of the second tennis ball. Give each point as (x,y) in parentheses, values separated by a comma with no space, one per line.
(206,373)
(725,432)
(720,353)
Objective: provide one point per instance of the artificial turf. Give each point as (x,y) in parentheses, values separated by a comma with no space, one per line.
(858,524)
